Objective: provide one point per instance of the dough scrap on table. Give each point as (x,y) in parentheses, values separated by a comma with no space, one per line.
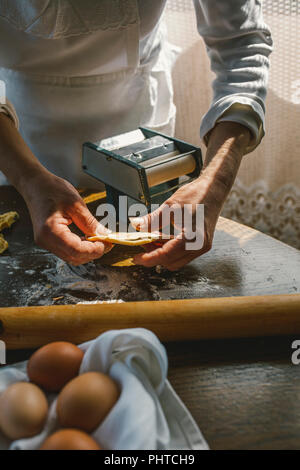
(124,263)
(120,257)
(6,221)
(3,244)
(125,238)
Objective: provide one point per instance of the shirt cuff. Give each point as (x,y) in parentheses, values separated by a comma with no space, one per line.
(243,110)
(245,115)
(8,109)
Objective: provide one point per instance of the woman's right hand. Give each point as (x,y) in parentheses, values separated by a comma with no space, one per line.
(54,204)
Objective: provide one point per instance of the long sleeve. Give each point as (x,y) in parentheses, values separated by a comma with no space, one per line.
(239,44)
(8,109)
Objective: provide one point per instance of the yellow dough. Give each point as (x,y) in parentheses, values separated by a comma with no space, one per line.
(3,244)
(124,263)
(120,256)
(124,238)
(94,197)
(7,219)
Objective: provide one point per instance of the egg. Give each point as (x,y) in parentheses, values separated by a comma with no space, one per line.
(53,365)
(23,410)
(85,401)
(70,439)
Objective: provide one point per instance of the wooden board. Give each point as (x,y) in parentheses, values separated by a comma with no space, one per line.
(242,262)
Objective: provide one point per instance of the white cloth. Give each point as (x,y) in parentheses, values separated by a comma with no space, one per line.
(148,415)
(85,71)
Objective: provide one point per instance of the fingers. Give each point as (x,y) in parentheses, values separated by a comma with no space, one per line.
(82,217)
(148,223)
(163,255)
(187,257)
(179,263)
(88,224)
(57,206)
(101,230)
(172,255)
(56,237)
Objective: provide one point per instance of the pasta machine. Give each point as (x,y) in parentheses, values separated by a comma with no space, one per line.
(144,165)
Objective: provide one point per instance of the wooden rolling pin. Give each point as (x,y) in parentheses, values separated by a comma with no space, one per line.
(170,320)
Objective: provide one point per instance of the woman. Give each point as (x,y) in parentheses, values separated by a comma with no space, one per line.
(79,71)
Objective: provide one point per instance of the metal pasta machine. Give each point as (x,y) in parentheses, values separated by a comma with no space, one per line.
(144,165)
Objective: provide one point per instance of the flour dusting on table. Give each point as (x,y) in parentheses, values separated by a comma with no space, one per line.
(41,278)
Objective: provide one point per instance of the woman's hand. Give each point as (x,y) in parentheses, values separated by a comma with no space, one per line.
(227,145)
(54,204)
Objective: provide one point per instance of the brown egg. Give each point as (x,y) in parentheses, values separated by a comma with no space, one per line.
(70,439)
(23,410)
(53,365)
(85,401)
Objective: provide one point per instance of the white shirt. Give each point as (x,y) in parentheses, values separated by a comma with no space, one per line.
(86,70)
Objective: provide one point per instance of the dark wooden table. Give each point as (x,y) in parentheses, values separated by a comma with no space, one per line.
(244,394)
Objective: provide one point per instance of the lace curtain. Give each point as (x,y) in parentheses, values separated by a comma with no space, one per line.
(266,194)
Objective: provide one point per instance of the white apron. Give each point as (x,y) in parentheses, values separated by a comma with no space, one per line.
(75,75)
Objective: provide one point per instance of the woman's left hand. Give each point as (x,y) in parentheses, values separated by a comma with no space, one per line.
(227,144)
